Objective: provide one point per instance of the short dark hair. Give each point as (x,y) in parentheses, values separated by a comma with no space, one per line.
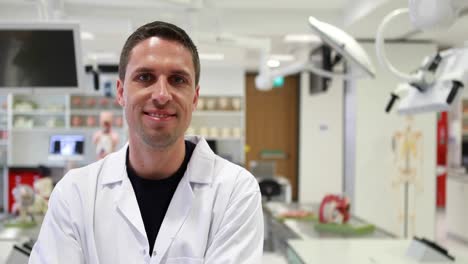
(162,30)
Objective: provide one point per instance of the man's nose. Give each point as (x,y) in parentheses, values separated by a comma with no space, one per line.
(161,93)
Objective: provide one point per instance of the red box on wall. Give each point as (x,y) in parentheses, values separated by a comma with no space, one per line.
(442,145)
(441,190)
(17,176)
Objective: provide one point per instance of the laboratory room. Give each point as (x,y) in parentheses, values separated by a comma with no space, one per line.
(298,131)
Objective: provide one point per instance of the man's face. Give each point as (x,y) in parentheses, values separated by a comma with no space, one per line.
(159,92)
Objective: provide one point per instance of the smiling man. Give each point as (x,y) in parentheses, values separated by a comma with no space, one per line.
(162,198)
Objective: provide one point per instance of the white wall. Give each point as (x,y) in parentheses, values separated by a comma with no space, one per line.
(375,198)
(349,144)
(219,80)
(321,142)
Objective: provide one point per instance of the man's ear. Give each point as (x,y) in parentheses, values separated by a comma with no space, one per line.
(120,93)
(195,98)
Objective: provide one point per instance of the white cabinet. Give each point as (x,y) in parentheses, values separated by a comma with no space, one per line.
(85,111)
(38,112)
(221,119)
(3,129)
(457,210)
(3,150)
(33,119)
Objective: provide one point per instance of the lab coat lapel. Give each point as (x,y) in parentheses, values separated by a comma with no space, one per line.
(115,173)
(176,214)
(127,205)
(199,171)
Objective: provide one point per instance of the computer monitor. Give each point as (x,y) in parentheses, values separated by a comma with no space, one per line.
(40,57)
(65,147)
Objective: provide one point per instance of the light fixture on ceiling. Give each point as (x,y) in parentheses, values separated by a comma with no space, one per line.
(99,56)
(282,57)
(302,38)
(272,63)
(211,56)
(86,35)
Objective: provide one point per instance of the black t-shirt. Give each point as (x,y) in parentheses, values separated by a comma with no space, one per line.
(154,196)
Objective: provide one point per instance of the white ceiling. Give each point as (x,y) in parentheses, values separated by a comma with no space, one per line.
(110,21)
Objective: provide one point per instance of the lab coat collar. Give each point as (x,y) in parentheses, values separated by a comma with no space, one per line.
(199,169)
(201,165)
(117,170)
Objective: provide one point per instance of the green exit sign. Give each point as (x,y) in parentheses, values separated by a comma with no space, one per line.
(278,82)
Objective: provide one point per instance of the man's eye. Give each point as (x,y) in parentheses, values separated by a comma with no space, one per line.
(144,77)
(178,80)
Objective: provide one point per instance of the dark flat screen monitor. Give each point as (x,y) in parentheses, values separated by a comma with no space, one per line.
(66,146)
(40,56)
(464,160)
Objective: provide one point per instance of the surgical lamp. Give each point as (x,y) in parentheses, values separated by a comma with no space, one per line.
(438,80)
(343,44)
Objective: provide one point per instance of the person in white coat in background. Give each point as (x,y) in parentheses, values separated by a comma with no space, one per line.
(162,198)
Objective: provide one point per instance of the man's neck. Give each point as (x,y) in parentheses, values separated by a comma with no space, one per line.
(156,164)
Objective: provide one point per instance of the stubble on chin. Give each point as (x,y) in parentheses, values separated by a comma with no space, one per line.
(159,143)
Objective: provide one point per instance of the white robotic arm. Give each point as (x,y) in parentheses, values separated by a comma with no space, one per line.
(450,74)
(436,83)
(344,45)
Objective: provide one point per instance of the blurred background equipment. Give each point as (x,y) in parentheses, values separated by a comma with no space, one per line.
(105,139)
(40,57)
(436,83)
(334,39)
(272,186)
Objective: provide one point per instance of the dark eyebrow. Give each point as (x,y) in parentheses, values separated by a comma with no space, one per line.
(150,70)
(181,72)
(142,69)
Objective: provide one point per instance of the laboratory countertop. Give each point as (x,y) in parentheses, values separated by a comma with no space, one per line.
(5,249)
(356,251)
(9,233)
(305,229)
(10,236)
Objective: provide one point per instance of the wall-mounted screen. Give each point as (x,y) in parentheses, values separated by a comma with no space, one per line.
(66,146)
(40,57)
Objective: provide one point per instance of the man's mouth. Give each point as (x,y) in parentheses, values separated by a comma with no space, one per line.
(160,115)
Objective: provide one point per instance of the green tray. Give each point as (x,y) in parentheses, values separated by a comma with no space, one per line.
(18,224)
(345,229)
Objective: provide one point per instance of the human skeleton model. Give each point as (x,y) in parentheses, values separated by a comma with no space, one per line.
(32,202)
(105,139)
(42,188)
(24,200)
(406,145)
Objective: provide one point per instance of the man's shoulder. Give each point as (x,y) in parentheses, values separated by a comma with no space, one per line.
(81,177)
(227,172)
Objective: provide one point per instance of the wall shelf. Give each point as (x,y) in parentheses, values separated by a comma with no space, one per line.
(95,111)
(37,128)
(39,112)
(217,113)
(84,128)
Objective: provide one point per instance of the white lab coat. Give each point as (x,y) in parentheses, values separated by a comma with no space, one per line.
(215,216)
